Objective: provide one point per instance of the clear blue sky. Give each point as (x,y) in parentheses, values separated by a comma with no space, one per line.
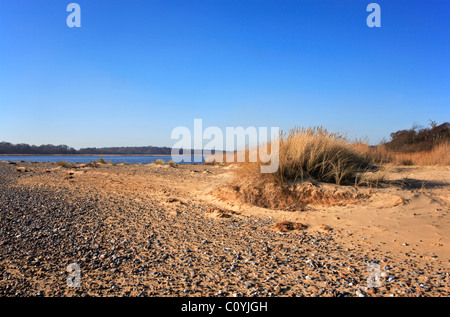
(136,69)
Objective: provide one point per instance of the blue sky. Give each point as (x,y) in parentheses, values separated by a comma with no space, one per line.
(136,69)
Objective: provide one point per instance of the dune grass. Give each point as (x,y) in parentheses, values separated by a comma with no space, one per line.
(437,156)
(309,156)
(170,163)
(313,153)
(63,164)
(305,154)
(318,154)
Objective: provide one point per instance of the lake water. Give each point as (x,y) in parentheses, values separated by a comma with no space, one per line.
(89,158)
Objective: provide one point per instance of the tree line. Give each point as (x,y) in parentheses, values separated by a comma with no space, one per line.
(49,149)
(418,138)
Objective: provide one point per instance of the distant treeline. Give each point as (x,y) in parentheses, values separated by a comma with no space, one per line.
(137,150)
(48,149)
(419,139)
(8,148)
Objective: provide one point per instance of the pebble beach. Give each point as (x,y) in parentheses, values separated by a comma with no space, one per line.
(142,230)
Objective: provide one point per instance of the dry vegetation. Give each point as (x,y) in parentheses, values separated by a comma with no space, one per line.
(311,156)
(306,156)
(437,156)
(284,226)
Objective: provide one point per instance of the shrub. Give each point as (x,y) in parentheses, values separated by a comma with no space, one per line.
(172,163)
(418,140)
(63,164)
(92,164)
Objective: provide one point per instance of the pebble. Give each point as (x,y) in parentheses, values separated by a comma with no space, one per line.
(130,245)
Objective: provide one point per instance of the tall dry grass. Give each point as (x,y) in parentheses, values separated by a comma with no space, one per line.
(305,154)
(318,154)
(375,154)
(439,155)
(308,156)
(379,154)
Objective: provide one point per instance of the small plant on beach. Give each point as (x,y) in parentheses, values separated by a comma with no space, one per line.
(159,162)
(101,161)
(172,163)
(215,162)
(63,164)
(93,164)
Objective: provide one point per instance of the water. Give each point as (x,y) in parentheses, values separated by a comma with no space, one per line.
(89,158)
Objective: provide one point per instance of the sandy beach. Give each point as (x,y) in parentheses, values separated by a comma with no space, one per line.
(161,230)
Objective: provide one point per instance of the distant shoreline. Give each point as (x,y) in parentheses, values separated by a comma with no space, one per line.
(86,154)
(98,155)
